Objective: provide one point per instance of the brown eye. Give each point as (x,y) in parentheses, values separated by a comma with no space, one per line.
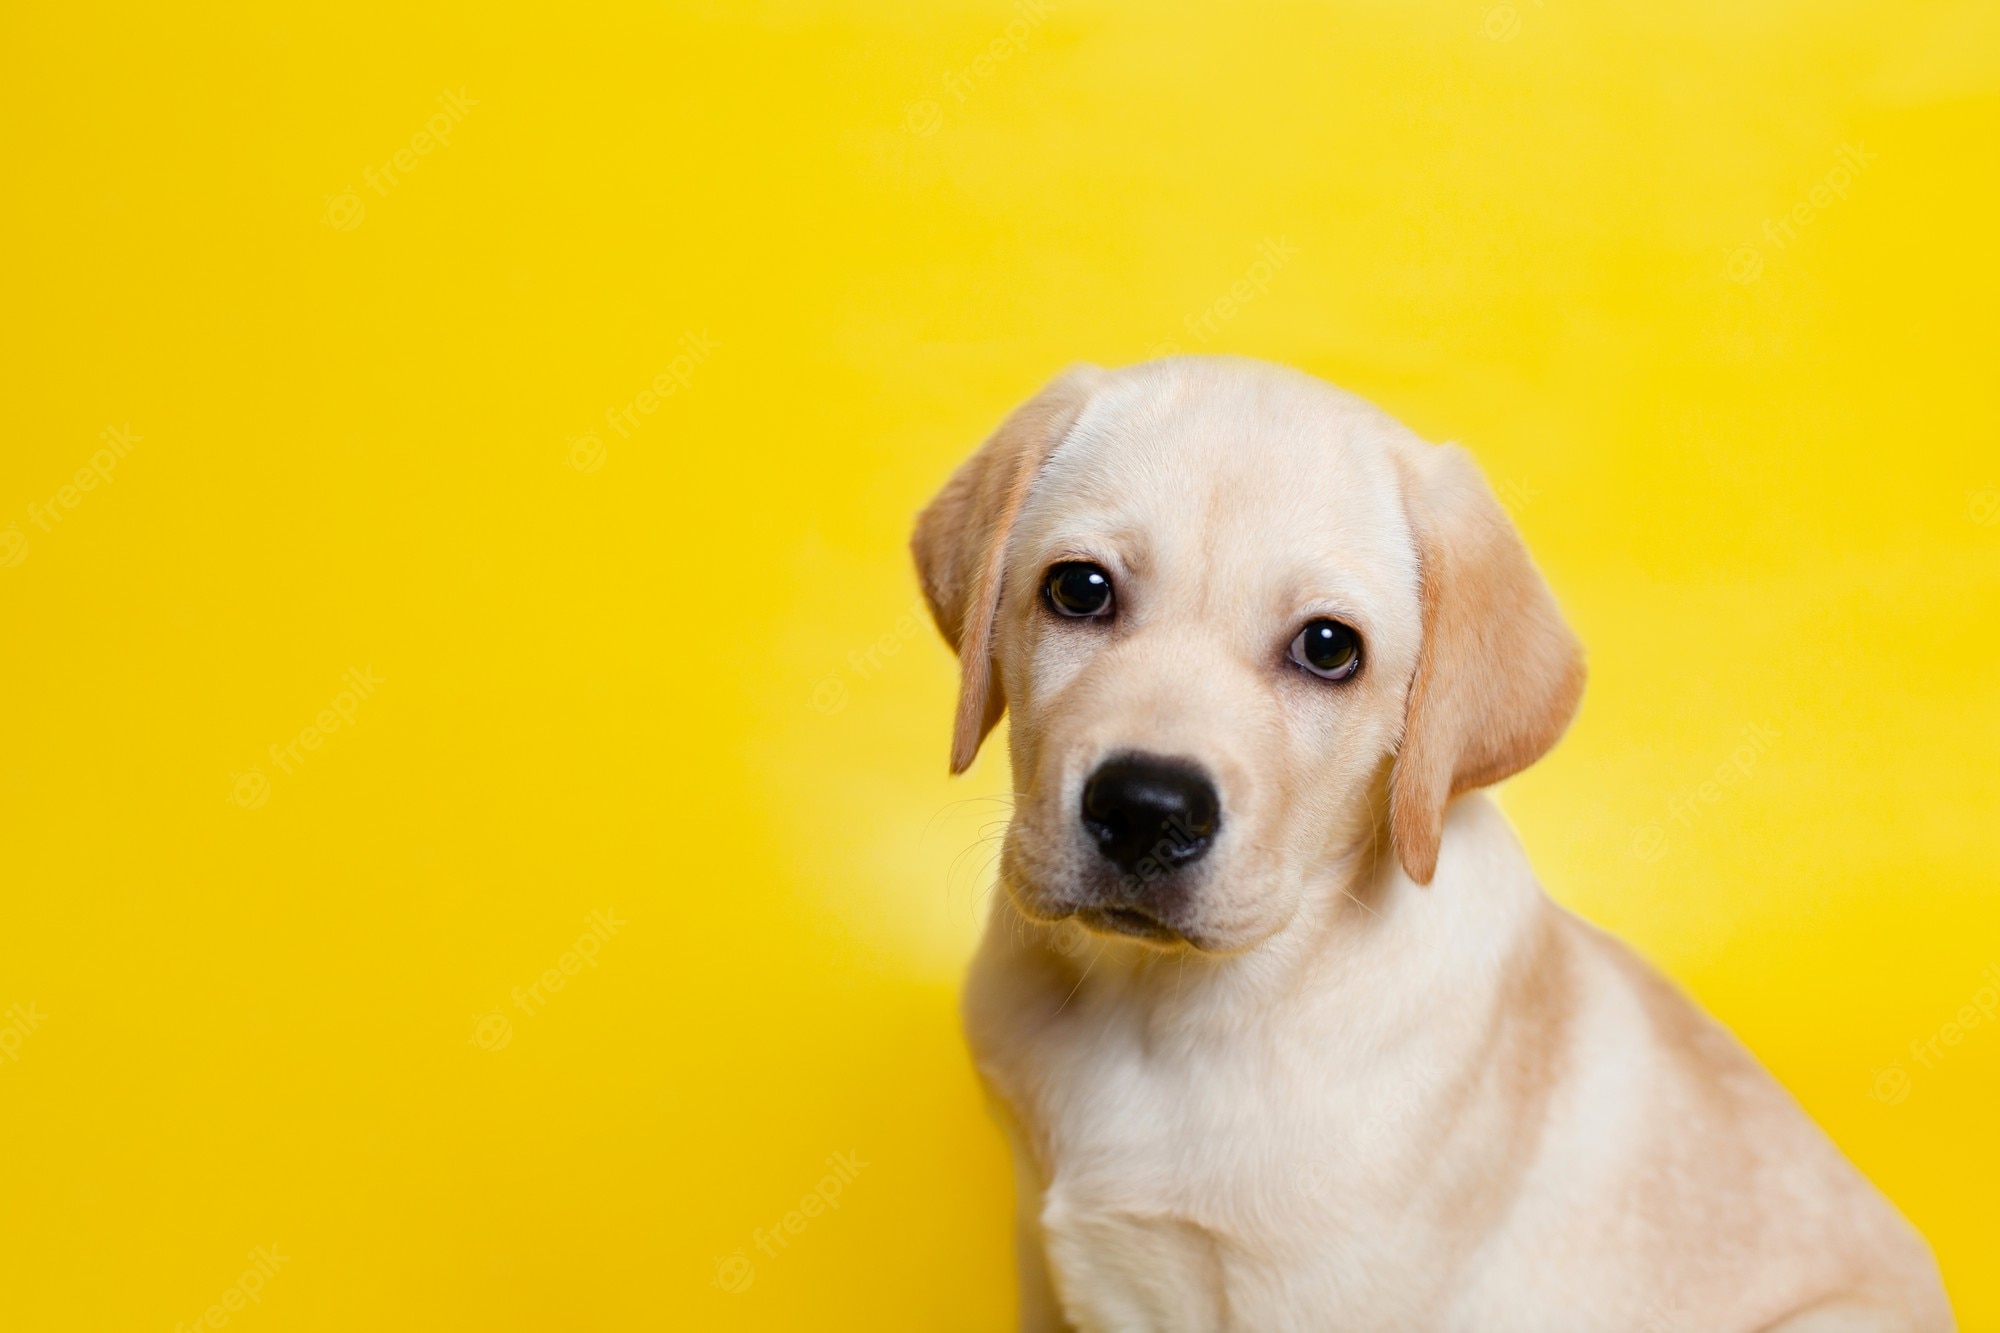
(1328,649)
(1078,590)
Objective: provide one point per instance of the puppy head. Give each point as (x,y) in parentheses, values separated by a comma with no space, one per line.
(1231,607)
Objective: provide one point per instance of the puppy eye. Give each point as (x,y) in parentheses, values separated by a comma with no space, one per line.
(1077,589)
(1328,649)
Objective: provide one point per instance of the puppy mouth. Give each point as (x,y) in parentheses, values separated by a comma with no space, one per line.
(1104,918)
(1130,921)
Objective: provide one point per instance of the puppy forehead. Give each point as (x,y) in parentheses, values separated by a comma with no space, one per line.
(1254,471)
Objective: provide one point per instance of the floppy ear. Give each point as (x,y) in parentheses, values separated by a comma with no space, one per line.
(961,545)
(1499,673)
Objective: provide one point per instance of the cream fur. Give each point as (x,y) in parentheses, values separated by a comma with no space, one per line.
(1352,1100)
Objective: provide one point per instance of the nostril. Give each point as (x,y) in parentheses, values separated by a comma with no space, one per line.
(1140,806)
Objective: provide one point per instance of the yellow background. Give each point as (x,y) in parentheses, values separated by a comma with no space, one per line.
(633,672)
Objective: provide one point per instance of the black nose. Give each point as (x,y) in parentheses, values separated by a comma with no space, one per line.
(1138,807)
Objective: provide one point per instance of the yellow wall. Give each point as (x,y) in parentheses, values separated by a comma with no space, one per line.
(366,428)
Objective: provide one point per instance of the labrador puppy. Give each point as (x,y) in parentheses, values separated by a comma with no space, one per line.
(1285,1031)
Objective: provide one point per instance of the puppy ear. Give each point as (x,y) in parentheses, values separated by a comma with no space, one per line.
(961,545)
(1499,673)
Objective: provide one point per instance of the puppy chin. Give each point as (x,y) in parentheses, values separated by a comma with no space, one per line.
(1090,897)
